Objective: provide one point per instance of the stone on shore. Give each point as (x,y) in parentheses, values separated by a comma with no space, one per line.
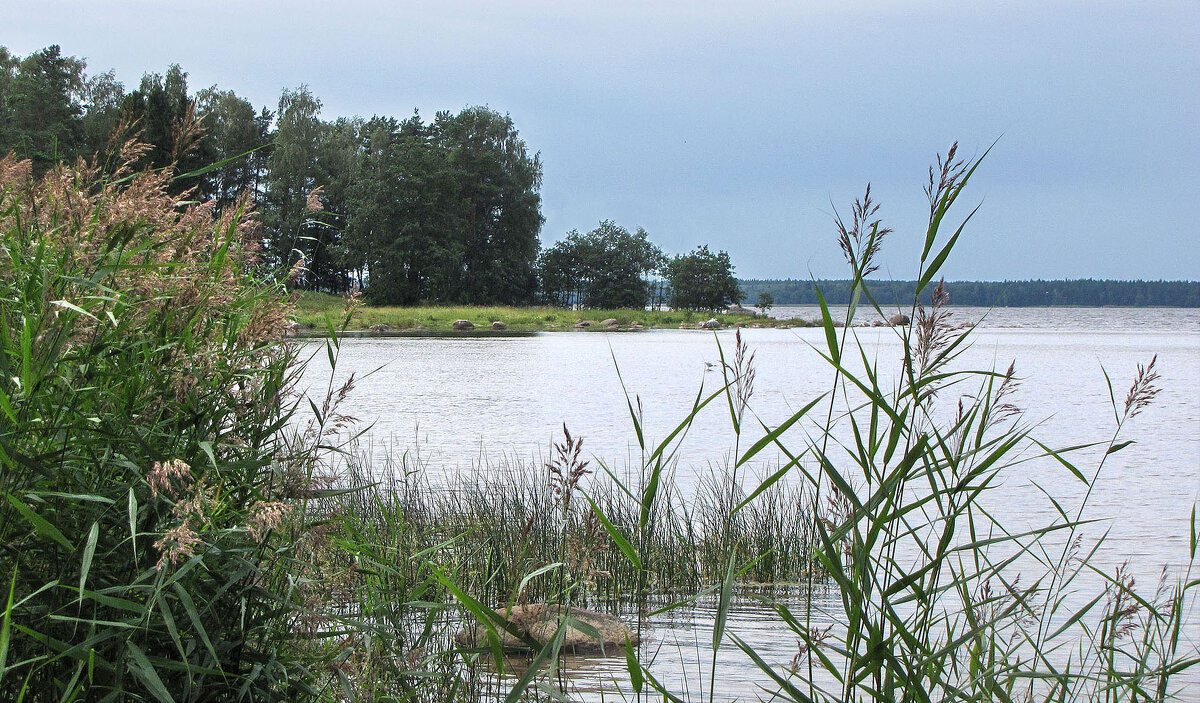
(898,319)
(498,325)
(712,324)
(610,322)
(540,622)
(462,325)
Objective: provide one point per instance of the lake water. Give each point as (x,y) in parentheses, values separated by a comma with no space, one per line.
(463,403)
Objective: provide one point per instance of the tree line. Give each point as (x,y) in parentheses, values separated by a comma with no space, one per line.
(1085,292)
(410,210)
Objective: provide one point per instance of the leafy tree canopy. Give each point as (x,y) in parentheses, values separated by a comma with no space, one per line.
(607,267)
(702,280)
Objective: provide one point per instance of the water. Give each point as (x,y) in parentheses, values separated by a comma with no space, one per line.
(461,403)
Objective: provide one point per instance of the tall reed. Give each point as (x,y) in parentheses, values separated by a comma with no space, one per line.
(937,599)
(145,471)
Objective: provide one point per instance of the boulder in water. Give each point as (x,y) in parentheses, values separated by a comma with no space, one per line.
(540,621)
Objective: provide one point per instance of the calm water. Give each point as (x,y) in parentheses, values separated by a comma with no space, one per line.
(464,403)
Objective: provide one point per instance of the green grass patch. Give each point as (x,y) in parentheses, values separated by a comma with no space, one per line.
(314,311)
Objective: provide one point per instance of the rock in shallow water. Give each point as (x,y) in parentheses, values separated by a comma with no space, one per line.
(540,622)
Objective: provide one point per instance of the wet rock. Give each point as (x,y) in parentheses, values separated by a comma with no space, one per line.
(540,622)
(462,325)
(898,319)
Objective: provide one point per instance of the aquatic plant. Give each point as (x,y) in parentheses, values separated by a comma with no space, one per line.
(938,599)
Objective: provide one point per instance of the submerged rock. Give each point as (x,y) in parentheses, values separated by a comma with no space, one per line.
(462,325)
(540,622)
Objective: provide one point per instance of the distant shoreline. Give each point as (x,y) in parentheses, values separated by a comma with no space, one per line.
(988,294)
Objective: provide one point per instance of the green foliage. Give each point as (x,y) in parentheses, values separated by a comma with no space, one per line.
(605,268)
(143,470)
(702,280)
(445,212)
(40,112)
(765,302)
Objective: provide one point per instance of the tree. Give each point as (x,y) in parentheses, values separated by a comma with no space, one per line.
(445,212)
(702,280)
(605,268)
(40,112)
(498,206)
(289,232)
(167,122)
(103,97)
(232,129)
(765,302)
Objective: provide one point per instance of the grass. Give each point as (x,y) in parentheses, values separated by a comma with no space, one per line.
(314,311)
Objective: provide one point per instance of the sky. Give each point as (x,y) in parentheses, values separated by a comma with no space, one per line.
(746,126)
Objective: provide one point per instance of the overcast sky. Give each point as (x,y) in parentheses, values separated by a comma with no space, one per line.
(743,125)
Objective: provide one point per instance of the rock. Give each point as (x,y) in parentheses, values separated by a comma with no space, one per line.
(291,328)
(540,621)
(635,325)
(380,327)
(610,322)
(462,325)
(898,319)
(584,323)
(498,325)
(712,324)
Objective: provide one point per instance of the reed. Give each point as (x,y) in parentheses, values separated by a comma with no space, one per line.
(939,600)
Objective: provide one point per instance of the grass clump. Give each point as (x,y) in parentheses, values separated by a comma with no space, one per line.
(144,473)
(315,312)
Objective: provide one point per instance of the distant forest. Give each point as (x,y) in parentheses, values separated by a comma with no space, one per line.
(1086,292)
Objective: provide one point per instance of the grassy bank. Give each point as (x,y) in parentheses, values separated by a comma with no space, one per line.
(315,311)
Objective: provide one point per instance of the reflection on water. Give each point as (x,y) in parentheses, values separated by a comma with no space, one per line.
(460,404)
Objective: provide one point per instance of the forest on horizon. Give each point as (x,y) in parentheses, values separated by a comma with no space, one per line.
(1035,293)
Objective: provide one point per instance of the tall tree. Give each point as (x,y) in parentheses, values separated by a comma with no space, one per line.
(499,205)
(40,113)
(702,280)
(403,233)
(605,268)
(233,130)
(104,96)
(291,178)
(165,116)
